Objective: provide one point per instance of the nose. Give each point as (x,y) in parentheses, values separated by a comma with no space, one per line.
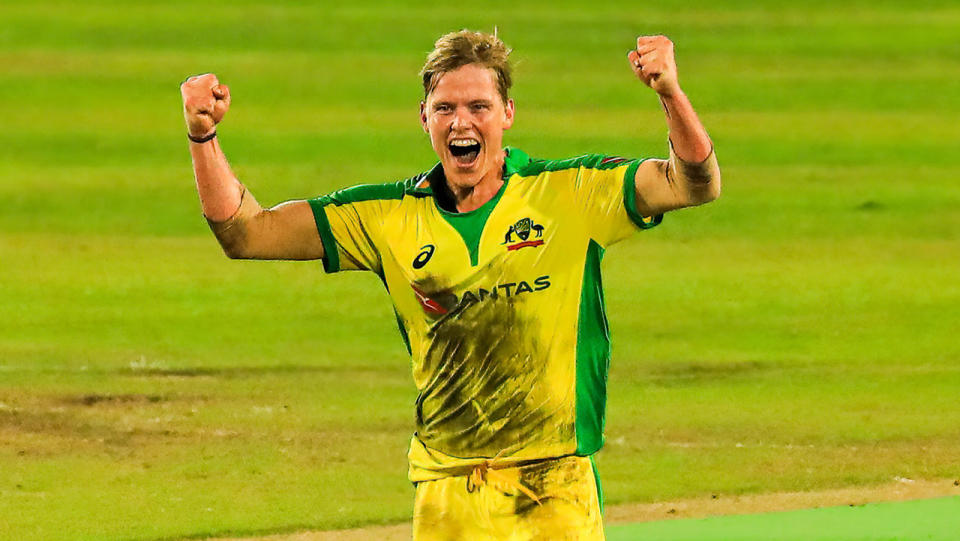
(460,118)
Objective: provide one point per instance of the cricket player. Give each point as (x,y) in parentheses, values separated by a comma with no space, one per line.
(492,261)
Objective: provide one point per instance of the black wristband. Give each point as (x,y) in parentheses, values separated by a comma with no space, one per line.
(203,139)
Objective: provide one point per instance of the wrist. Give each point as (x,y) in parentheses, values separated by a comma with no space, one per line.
(670,94)
(199,139)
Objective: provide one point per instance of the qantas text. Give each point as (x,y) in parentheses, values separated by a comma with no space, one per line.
(508,289)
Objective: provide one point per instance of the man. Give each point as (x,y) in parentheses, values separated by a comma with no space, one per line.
(492,261)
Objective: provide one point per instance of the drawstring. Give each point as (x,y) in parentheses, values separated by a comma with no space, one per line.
(486,473)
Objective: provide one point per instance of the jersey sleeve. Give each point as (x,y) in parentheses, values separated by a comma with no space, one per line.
(349,224)
(604,192)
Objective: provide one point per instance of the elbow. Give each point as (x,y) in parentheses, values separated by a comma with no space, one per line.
(701,193)
(234,252)
(715,182)
(713,189)
(237,233)
(233,246)
(232,236)
(702,180)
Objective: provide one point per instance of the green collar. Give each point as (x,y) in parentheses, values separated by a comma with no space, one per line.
(470,224)
(513,163)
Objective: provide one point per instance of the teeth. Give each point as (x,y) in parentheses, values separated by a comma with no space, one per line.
(464,142)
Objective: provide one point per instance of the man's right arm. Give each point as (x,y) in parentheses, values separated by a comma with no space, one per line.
(691,176)
(245,229)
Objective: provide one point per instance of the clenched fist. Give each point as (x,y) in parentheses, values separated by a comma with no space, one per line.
(653,63)
(205,101)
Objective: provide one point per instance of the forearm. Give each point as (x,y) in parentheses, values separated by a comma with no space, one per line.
(218,188)
(693,165)
(697,182)
(243,228)
(691,176)
(688,136)
(224,200)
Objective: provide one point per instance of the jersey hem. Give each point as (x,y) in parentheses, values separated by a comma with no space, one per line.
(596,478)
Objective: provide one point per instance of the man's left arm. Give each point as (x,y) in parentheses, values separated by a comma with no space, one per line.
(691,176)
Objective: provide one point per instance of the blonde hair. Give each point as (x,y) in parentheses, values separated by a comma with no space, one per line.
(458,49)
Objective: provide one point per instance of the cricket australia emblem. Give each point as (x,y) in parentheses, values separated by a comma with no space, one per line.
(522,229)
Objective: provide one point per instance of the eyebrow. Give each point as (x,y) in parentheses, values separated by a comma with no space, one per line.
(471,102)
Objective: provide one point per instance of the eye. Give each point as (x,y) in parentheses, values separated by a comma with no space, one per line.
(480,107)
(442,108)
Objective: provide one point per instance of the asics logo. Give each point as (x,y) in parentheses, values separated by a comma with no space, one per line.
(425,254)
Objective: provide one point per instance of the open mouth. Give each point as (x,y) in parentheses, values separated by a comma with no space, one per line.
(465,151)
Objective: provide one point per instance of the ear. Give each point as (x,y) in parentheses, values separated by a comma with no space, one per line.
(508,112)
(423,116)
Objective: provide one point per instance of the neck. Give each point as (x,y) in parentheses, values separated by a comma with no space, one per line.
(468,198)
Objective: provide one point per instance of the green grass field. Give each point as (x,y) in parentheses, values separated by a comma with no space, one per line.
(798,334)
(920,520)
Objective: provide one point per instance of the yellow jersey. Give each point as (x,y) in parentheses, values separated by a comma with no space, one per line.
(501,308)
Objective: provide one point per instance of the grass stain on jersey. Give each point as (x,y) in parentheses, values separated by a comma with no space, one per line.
(482,399)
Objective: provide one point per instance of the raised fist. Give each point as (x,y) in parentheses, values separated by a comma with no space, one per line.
(205,101)
(653,63)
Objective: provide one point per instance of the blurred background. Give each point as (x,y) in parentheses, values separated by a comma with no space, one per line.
(797,334)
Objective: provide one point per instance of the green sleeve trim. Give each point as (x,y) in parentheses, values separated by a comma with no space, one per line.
(331,257)
(593,356)
(630,200)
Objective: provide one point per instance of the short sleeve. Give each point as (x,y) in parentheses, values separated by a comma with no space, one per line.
(349,222)
(604,191)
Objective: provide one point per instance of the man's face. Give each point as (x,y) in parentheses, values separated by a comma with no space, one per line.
(465,118)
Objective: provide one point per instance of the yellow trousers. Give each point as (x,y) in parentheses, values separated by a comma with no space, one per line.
(555,500)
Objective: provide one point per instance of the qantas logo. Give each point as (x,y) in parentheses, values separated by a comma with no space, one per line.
(522,229)
(442,302)
(429,305)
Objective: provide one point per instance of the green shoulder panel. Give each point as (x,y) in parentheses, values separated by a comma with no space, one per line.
(354,194)
(601,162)
(587,161)
(365,192)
